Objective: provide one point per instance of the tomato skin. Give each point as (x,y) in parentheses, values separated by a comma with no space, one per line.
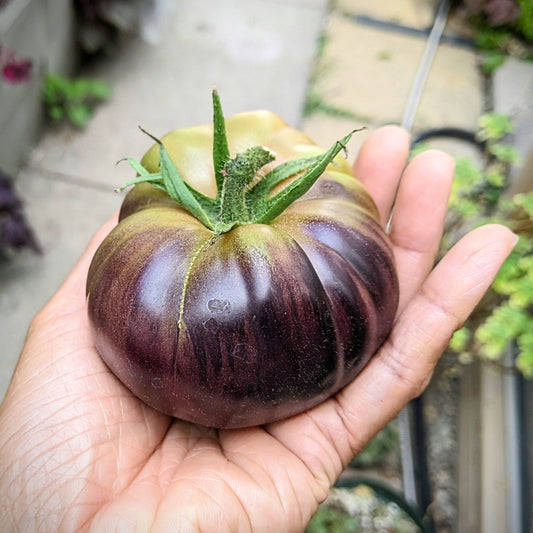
(259,323)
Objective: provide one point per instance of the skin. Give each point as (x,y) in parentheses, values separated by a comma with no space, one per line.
(79,453)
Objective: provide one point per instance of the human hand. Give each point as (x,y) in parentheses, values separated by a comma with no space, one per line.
(78,452)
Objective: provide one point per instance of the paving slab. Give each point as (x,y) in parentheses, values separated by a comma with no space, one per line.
(367,71)
(259,53)
(370,73)
(324,130)
(414,13)
(453,95)
(409,16)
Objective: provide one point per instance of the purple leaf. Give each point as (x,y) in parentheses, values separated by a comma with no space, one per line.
(15,233)
(14,230)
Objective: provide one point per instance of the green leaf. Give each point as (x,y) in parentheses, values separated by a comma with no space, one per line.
(153,179)
(525,201)
(209,205)
(524,361)
(73,97)
(465,207)
(504,153)
(495,178)
(99,89)
(493,126)
(139,168)
(79,115)
(525,21)
(56,112)
(490,38)
(505,324)
(492,61)
(467,177)
(460,339)
(178,190)
(509,271)
(522,296)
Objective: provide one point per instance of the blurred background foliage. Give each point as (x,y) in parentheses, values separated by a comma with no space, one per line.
(501,325)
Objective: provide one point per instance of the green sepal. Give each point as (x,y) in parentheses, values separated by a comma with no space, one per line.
(264,186)
(273,207)
(176,187)
(221,153)
(143,176)
(153,179)
(209,205)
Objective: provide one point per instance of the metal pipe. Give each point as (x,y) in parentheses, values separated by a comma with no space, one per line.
(513,451)
(425,64)
(407,445)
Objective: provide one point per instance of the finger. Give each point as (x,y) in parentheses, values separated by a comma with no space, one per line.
(403,367)
(328,436)
(379,165)
(418,218)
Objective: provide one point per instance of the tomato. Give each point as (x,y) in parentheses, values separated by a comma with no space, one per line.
(265,292)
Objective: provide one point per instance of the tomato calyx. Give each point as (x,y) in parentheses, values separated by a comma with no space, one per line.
(243,196)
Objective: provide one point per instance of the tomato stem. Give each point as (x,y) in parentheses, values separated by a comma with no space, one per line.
(238,173)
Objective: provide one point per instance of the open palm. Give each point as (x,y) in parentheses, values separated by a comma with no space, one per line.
(78,452)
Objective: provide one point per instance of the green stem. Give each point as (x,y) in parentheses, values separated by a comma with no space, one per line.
(238,173)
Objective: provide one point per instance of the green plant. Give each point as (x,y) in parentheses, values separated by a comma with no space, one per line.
(378,450)
(331,520)
(314,101)
(73,100)
(525,21)
(503,319)
(366,505)
(510,36)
